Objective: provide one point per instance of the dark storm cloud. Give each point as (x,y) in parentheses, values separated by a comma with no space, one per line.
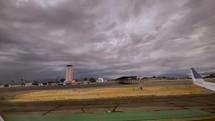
(104,38)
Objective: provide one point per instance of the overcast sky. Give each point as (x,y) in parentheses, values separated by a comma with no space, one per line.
(105,38)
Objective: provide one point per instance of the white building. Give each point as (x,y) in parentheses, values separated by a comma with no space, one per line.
(1,85)
(28,84)
(100,80)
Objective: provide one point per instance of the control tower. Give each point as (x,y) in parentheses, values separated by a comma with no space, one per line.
(69,73)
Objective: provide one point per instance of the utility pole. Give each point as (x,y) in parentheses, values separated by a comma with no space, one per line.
(140,81)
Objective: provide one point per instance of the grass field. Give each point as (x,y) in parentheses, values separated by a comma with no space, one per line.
(118,116)
(92,93)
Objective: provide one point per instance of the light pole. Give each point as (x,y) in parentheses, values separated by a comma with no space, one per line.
(140,81)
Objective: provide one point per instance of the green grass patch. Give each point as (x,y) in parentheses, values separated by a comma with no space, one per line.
(117,116)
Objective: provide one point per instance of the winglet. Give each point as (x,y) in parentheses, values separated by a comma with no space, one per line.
(195,75)
(198,80)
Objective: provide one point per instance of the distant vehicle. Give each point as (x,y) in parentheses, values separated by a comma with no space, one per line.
(198,80)
(63,83)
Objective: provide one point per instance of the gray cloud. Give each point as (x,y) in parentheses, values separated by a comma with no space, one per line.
(104,38)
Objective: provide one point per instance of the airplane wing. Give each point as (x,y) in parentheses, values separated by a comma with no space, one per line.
(198,80)
(2,118)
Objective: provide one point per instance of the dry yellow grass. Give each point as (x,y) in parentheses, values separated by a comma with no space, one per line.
(92,93)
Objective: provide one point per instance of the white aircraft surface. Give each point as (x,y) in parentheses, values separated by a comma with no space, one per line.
(1,118)
(198,80)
